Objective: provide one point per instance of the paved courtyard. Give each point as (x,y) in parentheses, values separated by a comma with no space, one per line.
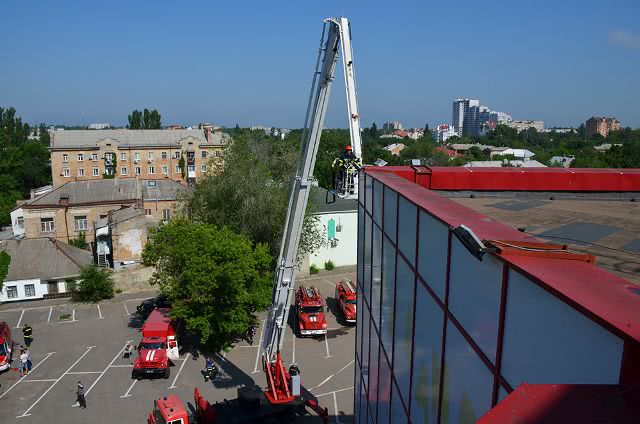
(79,342)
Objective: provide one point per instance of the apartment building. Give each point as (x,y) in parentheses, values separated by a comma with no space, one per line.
(600,125)
(180,155)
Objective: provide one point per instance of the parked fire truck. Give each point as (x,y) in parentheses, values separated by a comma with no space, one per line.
(158,346)
(6,346)
(346,298)
(284,396)
(310,312)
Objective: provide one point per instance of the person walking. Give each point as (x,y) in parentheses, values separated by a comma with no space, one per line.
(27,332)
(80,396)
(29,363)
(23,363)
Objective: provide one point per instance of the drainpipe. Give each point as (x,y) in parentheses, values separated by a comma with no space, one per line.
(64,201)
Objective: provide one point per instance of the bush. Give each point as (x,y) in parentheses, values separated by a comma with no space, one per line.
(313,269)
(94,285)
(329,265)
(80,242)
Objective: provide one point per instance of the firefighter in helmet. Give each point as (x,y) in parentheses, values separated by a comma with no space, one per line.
(341,165)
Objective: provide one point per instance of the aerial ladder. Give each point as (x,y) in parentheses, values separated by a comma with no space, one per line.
(284,387)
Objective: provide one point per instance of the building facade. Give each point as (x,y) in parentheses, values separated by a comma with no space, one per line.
(525,125)
(600,125)
(465,117)
(180,155)
(445,333)
(392,126)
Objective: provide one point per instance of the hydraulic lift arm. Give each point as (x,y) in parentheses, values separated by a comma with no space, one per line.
(336,33)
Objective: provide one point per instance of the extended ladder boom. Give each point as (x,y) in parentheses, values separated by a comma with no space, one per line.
(335,34)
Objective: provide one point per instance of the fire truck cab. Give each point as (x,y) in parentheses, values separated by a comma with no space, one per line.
(158,347)
(168,410)
(346,298)
(310,312)
(6,346)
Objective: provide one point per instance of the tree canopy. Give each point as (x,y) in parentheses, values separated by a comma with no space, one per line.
(213,277)
(94,284)
(5,260)
(146,120)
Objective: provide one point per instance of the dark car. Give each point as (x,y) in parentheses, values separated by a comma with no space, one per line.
(149,305)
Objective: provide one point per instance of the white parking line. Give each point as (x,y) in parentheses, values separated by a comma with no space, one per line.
(326,345)
(107,367)
(32,308)
(173,384)
(122,366)
(335,407)
(50,311)
(99,312)
(333,375)
(20,320)
(33,369)
(129,389)
(125,308)
(255,367)
(83,372)
(335,391)
(73,315)
(26,413)
(48,380)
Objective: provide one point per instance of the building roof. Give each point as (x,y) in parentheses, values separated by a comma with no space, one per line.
(105,191)
(604,147)
(501,163)
(124,138)
(43,259)
(319,197)
(519,153)
(448,152)
(121,215)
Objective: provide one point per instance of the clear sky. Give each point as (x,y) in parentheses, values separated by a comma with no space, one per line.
(251,62)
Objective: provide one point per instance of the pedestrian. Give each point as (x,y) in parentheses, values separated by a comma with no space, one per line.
(24,358)
(80,396)
(27,332)
(127,352)
(29,363)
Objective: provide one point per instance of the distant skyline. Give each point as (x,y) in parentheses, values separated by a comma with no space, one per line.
(251,63)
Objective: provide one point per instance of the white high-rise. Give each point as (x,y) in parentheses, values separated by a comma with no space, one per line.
(465,118)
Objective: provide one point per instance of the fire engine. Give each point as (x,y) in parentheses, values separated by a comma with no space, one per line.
(283,396)
(158,347)
(6,346)
(310,312)
(346,298)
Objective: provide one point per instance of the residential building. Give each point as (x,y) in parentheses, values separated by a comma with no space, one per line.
(415,133)
(401,133)
(605,147)
(513,163)
(380,162)
(17,214)
(392,126)
(466,117)
(120,237)
(443,132)
(41,268)
(600,125)
(519,154)
(395,148)
(451,154)
(82,155)
(525,125)
(495,117)
(463,147)
(559,130)
(71,209)
(563,161)
(391,136)
(101,126)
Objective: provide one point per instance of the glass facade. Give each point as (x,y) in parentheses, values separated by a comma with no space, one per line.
(432,342)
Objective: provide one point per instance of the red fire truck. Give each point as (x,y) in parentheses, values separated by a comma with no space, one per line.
(158,347)
(310,313)
(6,346)
(346,298)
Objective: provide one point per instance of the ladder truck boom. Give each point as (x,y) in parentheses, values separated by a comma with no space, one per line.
(336,35)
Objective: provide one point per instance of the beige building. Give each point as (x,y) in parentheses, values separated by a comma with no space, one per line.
(599,125)
(120,237)
(180,155)
(73,208)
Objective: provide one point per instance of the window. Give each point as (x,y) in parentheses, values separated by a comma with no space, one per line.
(151,170)
(136,156)
(165,169)
(80,157)
(123,156)
(150,155)
(66,172)
(20,222)
(147,212)
(29,290)
(109,156)
(65,158)
(151,183)
(166,214)
(218,153)
(94,156)
(138,170)
(47,225)
(123,170)
(80,172)
(80,223)
(203,168)
(191,168)
(164,155)
(12,292)
(96,172)
(204,154)
(176,155)
(178,169)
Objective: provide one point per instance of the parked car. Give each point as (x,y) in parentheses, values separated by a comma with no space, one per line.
(148,305)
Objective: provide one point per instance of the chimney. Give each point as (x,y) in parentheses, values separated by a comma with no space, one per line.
(207,133)
(64,200)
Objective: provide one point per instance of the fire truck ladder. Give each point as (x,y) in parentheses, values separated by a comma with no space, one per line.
(335,34)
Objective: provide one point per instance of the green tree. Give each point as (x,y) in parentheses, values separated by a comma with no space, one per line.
(5,260)
(213,277)
(94,284)
(135,120)
(151,120)
(80,242)
(43,135)
(373,131)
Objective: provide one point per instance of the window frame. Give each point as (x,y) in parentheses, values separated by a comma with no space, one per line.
(124,168)
(95,171)
(151,170)
(65,158)
(47,225)
(10,290)
(80,157)
(84,227)
(66,172)
(32,287)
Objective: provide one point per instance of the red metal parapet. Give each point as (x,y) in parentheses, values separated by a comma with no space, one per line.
(518,179)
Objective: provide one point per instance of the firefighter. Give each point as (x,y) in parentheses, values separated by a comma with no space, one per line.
(80,396)
(340,166)
(210,370)
(27,332)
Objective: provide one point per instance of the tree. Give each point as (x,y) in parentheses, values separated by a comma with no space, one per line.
(373,131)
(5,260)
(135,120)
(43,135)
(80,242)
(213,277)
(426,130)
(95,284)
(151,120)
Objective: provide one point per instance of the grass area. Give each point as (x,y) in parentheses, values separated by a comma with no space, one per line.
(64,317)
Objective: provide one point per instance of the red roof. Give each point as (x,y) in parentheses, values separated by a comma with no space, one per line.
(401,133)
(448,152)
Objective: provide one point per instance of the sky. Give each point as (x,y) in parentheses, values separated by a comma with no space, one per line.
(251,62)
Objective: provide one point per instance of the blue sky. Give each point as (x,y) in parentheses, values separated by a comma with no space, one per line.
(251,62)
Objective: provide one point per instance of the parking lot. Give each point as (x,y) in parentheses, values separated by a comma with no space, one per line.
(80,342)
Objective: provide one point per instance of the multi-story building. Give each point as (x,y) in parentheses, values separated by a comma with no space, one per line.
(99,126)
(600,125)
(392,126)
(466,115)
(525,125)
(492,116)
(180,155)
(442,132)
